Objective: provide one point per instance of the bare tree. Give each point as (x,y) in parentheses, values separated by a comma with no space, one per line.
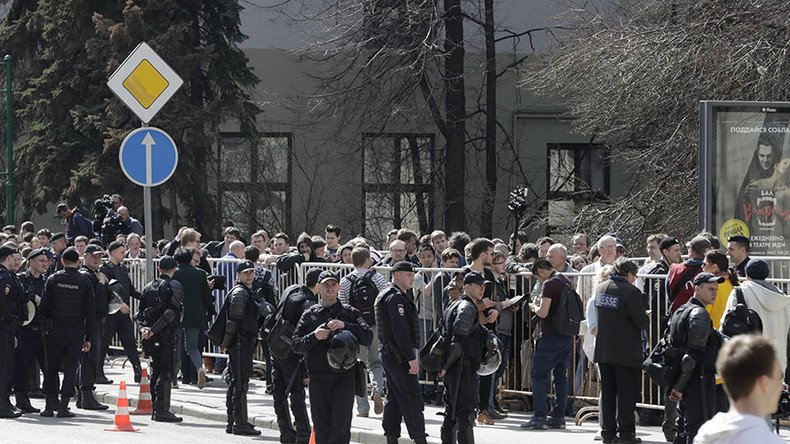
(632,75)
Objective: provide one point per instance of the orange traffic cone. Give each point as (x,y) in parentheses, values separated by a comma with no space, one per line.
(122,422)
(144,405)
(312,436)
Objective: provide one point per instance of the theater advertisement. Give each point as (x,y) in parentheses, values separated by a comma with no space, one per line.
(744,173)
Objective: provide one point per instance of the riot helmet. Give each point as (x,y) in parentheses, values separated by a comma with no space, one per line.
(492,354)
(343,351)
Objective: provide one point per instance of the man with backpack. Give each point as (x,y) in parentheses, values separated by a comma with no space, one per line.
(289,371)
(618,351)
(764,300)
(359,290)
(553,347)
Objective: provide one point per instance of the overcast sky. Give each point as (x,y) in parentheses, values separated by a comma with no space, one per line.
(267,29)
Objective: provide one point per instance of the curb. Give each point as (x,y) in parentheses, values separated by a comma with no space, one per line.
(363,436)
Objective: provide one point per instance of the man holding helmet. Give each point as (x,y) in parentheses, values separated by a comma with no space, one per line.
(464,357)
(322,337)
(91,365)
(399,334)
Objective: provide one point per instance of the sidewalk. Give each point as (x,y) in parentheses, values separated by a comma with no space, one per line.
(209,404)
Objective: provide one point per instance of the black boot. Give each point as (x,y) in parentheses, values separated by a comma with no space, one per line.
(23,404)
(50,407)
(63,408)
(287,432)
(391,439)
(245,430)
(422,440)
(166,416)
(466,431)
(447,435)
(7,410)
(89,402)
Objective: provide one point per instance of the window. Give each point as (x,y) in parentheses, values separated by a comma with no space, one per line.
(398,183)
(577,173)
(255,181)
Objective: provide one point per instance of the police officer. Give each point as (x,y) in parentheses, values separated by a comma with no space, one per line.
(289,372)
(692,329)
(57,246)
(159,315)
(12,299)
(399,334)
(90,361)
(69,304)
(463,360)
(331,388)
(120,322)
(31,341)
(240,332)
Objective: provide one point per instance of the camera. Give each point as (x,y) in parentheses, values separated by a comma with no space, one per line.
(517,202)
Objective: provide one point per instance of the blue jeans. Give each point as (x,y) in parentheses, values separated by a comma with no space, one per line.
(192,346)
(506,345)
(551,356)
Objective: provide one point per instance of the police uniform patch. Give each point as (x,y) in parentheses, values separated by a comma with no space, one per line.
(7,289)
(401,310)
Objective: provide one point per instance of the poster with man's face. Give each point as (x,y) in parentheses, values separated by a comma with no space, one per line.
(746,182)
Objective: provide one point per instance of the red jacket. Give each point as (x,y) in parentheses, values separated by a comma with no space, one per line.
(680,287)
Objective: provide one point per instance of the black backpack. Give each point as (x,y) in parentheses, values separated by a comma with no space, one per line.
(278,332)
(570,312)
(362,295)
(742,319)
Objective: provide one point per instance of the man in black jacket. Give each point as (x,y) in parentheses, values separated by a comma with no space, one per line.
(12,298)
(618,351)
(289,373)
(69,304)
(692,329)
(305,253)
(240,332)
(120,322)
(331,391)
(91,364)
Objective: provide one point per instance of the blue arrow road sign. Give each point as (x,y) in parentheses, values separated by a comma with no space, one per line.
(148,156)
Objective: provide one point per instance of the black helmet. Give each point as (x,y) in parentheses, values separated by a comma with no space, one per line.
(343,351)
(114,290)
(492,355)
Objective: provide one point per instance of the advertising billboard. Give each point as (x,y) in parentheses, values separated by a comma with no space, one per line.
(745,173)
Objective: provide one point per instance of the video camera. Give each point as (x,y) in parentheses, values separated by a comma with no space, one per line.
(111,223)
(517,203)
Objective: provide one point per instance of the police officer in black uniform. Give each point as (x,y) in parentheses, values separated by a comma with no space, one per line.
(12,300)
(159,315)
(240,332)
(692,329)
(289,373)
(90,361)
(120,322)
(463,360)
(331,389)
(57,246)
(399,334)
(31,345)
(69,304)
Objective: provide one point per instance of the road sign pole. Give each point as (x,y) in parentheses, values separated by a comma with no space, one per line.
(149,231)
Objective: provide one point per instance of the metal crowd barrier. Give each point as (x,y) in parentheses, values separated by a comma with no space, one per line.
(583,381)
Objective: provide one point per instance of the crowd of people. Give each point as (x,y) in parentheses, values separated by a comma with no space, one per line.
(66,295)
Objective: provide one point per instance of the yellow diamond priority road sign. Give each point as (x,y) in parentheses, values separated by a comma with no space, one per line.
(144,82)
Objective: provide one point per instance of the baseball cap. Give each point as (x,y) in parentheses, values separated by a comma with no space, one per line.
(244,266)
(757,269)
(403,266)
(167,263)
(668,242)
(705,278)
(70,255)
(474,278)
(327,275)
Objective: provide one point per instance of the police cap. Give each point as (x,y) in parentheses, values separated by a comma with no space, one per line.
(311,277)
(93,249)
(743,240)
(114,245)
(327,275)
(167,263)
(71,255)
(7,250)
(38,252)
(403,266)
(58,236)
